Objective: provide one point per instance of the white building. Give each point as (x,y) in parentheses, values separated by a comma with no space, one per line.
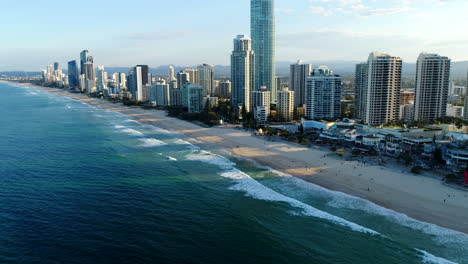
(383,89)
(242,72)
(432,87)
(285,104)
(455,111)
(261,113)
(206,77)
(323,95)
(101,78)
(261,98)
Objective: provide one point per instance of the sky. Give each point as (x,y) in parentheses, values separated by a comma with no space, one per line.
(189,32)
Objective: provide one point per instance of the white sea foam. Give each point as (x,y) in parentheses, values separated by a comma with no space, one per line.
(256,190)
(342,200)
(132,132)
(130,121)
(151,142)
(186,143)
(119,127)
(428,258)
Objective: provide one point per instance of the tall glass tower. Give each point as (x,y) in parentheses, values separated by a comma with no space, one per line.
(262,27)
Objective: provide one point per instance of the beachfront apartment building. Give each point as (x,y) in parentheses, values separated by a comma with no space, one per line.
(262,30)
(206,77)
(432,87)
(298,74)
(195,94)
(160,93)
(382,92)
(261,104)
(360,91)
(242,73)
(323,95)
(285,104)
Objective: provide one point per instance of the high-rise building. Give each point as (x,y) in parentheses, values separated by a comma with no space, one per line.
(160,93)
(360,98)
(195,98)
(56,66)
(383,89)
(193,76)
(432,85)
(225,89)
(84,58)
(146,80)
(216,88)
(407,112)
(90,77)
(206,77)
(262,26)
(171,73)
(73,75)
(101,78)
(50,70)
(136,83)
(261,104)
(285,104)
(298,74)
(242,72)
(323,100)
(183,79)
(176,97)
(281,84)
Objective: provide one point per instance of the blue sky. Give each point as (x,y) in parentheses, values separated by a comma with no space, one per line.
(186,32)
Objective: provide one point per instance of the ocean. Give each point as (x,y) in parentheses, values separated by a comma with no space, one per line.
(85,185)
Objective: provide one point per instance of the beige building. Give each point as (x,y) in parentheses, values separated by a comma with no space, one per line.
(383,89)
(285,104)
(432,86)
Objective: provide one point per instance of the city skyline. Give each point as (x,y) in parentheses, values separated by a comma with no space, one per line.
(399,27)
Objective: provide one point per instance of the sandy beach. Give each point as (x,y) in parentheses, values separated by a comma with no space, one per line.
(422,198)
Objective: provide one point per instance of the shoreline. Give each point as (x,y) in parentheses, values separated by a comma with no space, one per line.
(421,198)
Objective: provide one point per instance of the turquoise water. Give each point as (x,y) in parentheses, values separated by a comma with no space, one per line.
(84,185)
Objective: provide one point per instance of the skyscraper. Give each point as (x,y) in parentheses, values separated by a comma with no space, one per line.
(206,73)
(183,79)
(323,90)
(225,89)
(262,26)
(360,98)
(73,74)
(56,66)
(383,89)
(432,85)
(193,75)
(242,72)
(160,93)
(298,74)
(84,58)
(171,73)
(136,81)
(101,78)
(195,98)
